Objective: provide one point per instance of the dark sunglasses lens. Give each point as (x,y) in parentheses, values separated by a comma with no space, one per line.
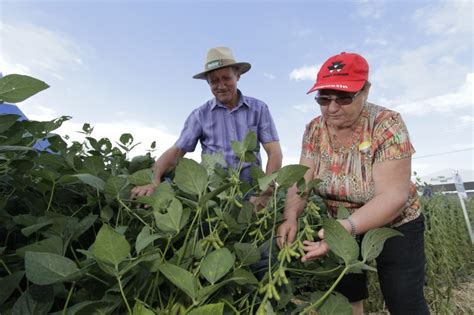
(344,100)
(323,101)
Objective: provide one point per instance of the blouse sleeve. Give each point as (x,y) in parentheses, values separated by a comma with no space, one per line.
(391,138)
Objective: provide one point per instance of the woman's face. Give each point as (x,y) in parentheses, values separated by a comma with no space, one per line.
(342,116)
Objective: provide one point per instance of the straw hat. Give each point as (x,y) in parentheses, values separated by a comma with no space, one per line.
(220,57)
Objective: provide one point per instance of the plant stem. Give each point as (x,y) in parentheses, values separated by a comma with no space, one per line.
(198,214)
(123,295)
(321,300)
(68,298)
(51,197)
(135,215)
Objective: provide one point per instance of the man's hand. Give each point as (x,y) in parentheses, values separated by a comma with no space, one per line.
(146,190)
(259,202)
(286,232)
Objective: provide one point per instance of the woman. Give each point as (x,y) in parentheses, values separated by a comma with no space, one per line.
(362,154)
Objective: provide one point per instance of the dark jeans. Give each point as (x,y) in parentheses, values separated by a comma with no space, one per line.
(401,271)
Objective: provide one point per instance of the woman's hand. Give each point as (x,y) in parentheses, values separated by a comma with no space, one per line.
(315,250)
(286,232)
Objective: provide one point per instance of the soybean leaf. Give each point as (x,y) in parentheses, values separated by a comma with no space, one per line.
(232,225)
(91,180)
(6,121)
(27,231)
(335,304)
(243,277)
(126,139)
(48,268)
(264,182)
(170,221)
(94,165)
(217,264)
(191,177)
(14,148)
(141,177)
(181,278)
(38,299)
(245,214)
(340,241)
(373,241)
(106,213)
(114,186)
(140,309)
(214,309)
(110,247)
(250,141)
(209,161)
(15,88)
(88,308)
(247,253)
(85,224)
(266,309)
(207,291)
(144,239)
(8,285)
(238,148)
(342,213)
(290,174)
(53,244)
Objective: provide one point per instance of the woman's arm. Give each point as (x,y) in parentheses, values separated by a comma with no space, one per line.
(294,205)
(392,189)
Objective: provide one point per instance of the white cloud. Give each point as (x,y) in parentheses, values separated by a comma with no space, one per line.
(439,65)
(370,8)
(52,53)
(306,107)
(304,73)
(376,41)
(467,119)
(303,32)
(462,98)
(450,17)
(269,76)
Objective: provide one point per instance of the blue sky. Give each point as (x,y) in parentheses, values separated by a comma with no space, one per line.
(126,66)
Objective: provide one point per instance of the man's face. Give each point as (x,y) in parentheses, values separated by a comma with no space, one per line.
(223,83)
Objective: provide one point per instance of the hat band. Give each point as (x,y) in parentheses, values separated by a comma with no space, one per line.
(218,63)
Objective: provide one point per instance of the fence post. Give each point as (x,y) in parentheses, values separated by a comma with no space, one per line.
(462,195)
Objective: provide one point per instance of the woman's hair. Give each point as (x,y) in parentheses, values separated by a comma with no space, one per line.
(367,85)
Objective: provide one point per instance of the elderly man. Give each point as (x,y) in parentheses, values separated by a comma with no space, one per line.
(229,116)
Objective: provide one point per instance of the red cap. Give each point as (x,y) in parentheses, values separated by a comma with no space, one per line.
(344,72)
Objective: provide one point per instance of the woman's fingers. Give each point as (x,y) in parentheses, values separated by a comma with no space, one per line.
(314,250)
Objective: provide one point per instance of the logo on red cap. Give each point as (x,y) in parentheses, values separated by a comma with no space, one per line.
(336,65)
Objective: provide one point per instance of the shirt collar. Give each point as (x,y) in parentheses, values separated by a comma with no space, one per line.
(242,101)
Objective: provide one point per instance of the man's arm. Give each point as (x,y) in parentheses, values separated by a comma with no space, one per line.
(165,163)
(275,156)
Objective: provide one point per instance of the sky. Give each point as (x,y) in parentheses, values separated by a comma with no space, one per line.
(127,66)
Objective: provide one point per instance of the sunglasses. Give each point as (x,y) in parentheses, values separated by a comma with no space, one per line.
(325,100)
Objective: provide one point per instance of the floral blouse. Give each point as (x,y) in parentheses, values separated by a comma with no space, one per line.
(346,173)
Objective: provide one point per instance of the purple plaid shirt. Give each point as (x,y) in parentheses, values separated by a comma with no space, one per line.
(215,127)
